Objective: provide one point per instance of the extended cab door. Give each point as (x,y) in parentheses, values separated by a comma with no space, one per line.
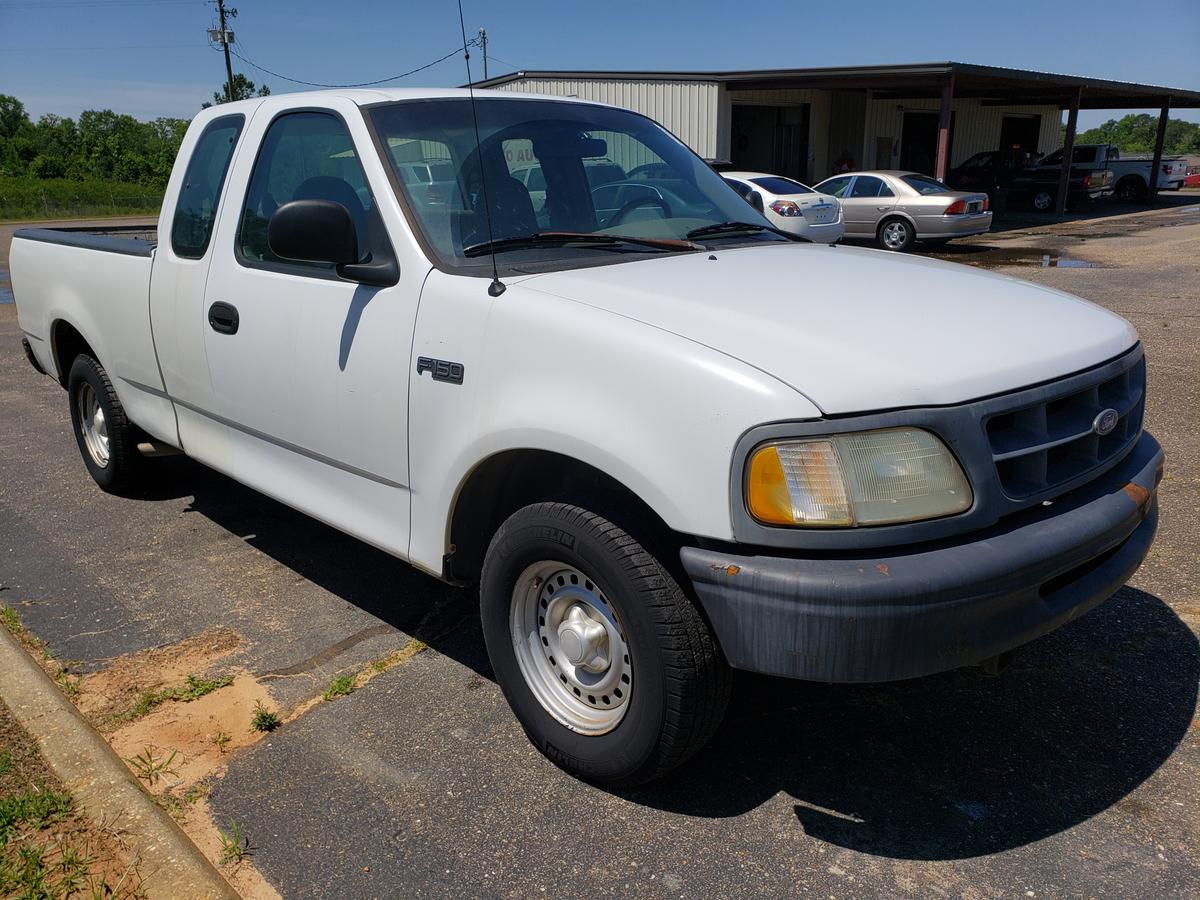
(309,370)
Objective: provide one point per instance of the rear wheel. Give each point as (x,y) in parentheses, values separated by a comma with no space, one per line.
(107,439)
(1130,189)
(895,234)
(608,666)
(1043,200)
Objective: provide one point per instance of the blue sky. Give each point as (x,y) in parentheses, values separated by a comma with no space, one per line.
(151,57)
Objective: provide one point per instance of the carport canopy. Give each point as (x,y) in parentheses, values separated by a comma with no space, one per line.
(945,81)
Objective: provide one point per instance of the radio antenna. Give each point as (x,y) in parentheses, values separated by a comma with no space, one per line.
(496,288)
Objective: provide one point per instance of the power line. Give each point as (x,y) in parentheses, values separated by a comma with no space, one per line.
(474,42)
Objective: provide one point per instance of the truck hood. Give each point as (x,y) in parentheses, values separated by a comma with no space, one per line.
(856,330)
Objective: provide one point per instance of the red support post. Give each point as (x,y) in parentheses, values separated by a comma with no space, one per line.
(1064,177)
(1158,148)
(942,163)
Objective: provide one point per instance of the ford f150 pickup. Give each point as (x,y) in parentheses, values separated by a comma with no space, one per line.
(666,440)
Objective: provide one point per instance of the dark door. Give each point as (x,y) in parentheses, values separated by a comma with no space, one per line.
(1020,133)
(918,142)
(771,139)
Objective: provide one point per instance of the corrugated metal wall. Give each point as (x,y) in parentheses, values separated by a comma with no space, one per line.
(976,127)
(686,108)
(699,113)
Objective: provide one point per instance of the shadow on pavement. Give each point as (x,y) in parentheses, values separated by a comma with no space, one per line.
(944,767)
(960,764)
(445,617)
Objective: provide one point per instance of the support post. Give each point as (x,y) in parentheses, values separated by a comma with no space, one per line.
(1158,149)
(942,163)
(1064,177)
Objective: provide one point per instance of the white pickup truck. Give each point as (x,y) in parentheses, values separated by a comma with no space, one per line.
(1130,175)
(667,446)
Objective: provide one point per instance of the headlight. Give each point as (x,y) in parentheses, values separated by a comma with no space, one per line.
(857,478)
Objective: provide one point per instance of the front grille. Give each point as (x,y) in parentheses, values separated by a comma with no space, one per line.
(1048,444)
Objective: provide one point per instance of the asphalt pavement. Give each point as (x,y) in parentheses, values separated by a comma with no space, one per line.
(1072,773)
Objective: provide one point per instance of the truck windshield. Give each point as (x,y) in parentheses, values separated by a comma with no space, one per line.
(553,169)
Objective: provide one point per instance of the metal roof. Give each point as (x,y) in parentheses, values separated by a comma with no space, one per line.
(992,84)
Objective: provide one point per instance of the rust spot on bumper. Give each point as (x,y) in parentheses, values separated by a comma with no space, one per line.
(1137,494)
(883,568)
(729,570)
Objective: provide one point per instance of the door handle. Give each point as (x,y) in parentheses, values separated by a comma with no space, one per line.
(223,317)
(883,208)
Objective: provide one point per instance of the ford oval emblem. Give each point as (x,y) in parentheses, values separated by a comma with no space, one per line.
(1105,421)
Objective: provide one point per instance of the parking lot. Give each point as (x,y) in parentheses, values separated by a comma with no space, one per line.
(1074,772)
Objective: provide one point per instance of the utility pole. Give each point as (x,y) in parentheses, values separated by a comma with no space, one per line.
(225,36)
(483,44)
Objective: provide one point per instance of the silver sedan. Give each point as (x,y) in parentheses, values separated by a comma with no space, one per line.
(898,208)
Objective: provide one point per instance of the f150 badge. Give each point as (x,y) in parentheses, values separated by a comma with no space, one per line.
(442,369)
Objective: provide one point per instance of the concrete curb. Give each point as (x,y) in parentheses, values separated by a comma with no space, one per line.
(168,862)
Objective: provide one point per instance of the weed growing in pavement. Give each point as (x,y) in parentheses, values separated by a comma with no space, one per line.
(264,719)
(339,687)
(68,682)
(11,620)
(193,688)
(151,768)
(234,845)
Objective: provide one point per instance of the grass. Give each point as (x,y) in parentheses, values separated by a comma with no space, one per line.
(11,620)
(221,739)
(264,719)
(234,845)
(47,847)
(151,768)
(193,688)
(339,687)
(60,198)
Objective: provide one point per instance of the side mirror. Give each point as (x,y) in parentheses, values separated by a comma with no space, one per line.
(313,231)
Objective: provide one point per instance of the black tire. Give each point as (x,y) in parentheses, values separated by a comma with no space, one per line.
(899,226)
(123,465)
(681,682)
(1131,189)
(1043,201)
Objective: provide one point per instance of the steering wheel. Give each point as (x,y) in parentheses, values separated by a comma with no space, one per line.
(635,203)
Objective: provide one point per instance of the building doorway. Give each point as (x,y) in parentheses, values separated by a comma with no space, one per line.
(770,139)
(918,142)
(1020,133)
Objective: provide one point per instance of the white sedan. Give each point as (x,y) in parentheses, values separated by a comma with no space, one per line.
(794,207)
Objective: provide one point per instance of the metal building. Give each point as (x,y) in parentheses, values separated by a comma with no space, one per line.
(802,122)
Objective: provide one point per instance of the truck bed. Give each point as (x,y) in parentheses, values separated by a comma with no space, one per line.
(132,240)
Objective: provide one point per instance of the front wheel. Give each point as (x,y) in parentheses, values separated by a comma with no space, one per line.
(896,234)
(608,666)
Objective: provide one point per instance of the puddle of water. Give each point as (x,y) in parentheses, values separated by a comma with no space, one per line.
(1035,257)
(6,294)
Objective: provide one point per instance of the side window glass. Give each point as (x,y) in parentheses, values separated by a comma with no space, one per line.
(884,190)
(196,210)
(866,186)
(835,187)
(304,156)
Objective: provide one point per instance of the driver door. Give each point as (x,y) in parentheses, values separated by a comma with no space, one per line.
(309,370)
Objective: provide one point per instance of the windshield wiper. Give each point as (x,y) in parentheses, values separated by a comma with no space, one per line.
(562,238)
(720,228)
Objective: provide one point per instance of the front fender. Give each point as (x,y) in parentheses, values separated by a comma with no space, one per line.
(655,411)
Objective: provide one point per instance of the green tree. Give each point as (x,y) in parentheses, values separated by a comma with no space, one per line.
(243,89)
(1137,133)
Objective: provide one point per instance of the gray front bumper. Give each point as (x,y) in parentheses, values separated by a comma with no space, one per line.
(911,612)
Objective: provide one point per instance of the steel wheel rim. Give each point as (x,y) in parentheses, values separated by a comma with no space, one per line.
(1042,201)
(94,425)
(895,234)
(570,647)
